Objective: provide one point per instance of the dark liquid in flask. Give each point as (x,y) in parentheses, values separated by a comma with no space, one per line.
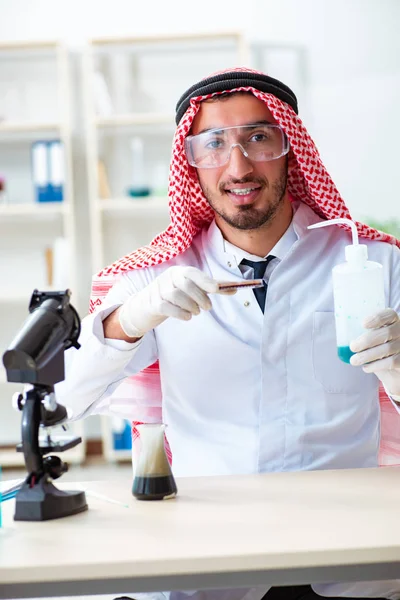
(154,488)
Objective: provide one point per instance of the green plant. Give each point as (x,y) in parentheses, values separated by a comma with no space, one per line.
(391,226)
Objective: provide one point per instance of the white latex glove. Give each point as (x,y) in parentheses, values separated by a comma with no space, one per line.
(378,350)
(179,292)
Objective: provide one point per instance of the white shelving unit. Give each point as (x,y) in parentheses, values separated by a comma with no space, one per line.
(122,206)
(132,87)
(34,105)
(28,127)
(36,211)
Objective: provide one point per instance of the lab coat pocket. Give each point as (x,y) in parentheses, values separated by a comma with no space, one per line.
(335,376)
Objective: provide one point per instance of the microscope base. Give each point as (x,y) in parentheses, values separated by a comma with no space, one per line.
(44,501)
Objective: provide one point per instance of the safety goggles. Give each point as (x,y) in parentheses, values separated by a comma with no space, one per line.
(258,142)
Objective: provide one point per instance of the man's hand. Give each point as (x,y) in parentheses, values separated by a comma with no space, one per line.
(378,350)
(179,292)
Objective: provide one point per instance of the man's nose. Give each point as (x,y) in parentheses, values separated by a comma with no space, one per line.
(239,163)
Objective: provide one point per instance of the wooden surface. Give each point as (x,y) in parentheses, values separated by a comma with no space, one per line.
(246,530)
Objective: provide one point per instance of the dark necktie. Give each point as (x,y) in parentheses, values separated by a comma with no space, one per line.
(259,272)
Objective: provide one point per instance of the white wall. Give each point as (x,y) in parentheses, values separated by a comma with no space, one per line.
(353,71)
(352,75)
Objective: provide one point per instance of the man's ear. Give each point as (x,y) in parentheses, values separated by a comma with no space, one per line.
(292,162)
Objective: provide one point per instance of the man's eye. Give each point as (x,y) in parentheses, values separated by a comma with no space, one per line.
(259,137)
(214,144)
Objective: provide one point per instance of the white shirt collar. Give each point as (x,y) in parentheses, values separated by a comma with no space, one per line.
(303,216)
(280,249)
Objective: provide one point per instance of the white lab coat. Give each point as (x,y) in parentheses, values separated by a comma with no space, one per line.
(243,391)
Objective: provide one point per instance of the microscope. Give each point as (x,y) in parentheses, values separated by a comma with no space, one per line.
(36,358)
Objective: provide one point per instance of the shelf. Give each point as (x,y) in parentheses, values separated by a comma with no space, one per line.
(148,205)
(20,296)
(11,458)
(37,210)
(28,127)
(136,119)
(177,38)
(29,45)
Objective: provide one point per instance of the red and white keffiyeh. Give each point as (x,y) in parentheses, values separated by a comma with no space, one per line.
(308,182)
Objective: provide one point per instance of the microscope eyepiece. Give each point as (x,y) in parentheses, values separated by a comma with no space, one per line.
(36,355)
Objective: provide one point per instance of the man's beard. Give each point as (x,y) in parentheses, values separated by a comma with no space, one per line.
(248,217)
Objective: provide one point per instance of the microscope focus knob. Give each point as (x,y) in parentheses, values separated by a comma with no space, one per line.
(54,466)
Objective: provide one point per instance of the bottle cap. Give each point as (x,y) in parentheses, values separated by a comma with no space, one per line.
(356,254)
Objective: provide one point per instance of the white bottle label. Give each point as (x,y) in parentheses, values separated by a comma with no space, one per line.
(357,295)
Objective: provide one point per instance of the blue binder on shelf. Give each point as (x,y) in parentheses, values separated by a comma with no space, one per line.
(121,434)
(48,170)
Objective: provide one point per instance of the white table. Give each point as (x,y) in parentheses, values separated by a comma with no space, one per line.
(273,529)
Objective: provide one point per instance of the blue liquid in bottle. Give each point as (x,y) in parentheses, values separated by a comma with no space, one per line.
(344,353)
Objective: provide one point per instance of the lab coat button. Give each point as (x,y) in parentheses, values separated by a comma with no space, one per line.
(246,304)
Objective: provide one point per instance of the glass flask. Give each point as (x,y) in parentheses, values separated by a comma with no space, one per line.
(153,476)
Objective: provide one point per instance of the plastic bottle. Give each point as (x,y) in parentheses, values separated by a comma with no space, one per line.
(358,290)
(138,186)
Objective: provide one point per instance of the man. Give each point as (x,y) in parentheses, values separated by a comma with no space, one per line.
(250,382)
